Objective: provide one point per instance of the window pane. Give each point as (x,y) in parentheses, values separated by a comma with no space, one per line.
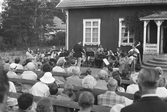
(88,35)
(130,40)
(95,35)
(124,30)
(94,39)
(124,35)
(87,39)
(88,30)
(123,23)
(95,30)
(124,40)
(95,23)
(88,23)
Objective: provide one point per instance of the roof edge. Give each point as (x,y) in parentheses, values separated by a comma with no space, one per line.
(118,5)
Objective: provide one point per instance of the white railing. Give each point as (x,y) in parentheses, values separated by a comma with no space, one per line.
(150,49)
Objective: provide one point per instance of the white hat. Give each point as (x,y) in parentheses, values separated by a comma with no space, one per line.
(117,108)
(13,66)
(47,78)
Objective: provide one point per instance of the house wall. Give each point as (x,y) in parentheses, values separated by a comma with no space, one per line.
(109,34)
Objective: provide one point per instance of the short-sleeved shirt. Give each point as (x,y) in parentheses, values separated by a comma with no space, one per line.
(40,89)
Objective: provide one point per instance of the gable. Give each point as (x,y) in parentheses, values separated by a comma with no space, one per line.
(107,3)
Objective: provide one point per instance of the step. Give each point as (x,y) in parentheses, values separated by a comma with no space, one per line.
(160,59)
(155,65)
(157,62)
(144,66)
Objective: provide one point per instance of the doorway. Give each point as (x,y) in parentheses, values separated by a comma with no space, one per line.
(165,40)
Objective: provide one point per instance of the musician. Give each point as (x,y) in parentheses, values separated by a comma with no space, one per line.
(134,55)
(78,51)
(99,56)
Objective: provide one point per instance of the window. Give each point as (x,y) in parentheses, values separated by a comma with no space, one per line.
(125,38)
(91,31)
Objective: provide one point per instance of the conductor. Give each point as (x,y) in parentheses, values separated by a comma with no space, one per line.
(78,51)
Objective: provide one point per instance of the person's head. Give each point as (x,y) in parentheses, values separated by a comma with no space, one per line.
(86,100)
(79,42)
(47,78)
(89,82)
(31,66)
(73,62)
(148,80)
(12,67)
(4,87)
(46,67)
(125,72)
(69,91)
(137,96)
(162,82)
(44,105)
(88,72)
(160,70)
(100,46)
(137,67)
(52,62)
(7,60)
(102,75)
(61,61)
(116,76)
(53,89)
(112,84)
(25,101)
(17,60)
(76,71)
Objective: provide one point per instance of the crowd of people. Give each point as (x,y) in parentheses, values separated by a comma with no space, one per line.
(148,88)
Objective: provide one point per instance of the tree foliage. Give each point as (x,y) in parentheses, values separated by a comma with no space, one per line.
(134,24)
(25,21)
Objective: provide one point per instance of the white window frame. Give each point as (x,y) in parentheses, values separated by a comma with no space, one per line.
(84,27)
(120,35)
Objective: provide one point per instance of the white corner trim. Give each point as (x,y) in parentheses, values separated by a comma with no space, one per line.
(67,30)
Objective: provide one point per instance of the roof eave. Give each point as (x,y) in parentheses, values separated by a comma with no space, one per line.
(100,6)
(148,19)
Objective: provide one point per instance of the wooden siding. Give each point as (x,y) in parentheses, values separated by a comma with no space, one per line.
(109,34)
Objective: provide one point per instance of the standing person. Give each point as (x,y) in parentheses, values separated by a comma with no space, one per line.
(148,80)
(78,51)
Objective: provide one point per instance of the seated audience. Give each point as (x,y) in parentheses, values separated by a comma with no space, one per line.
(41,88)
(59,68)
(53,89)
(45,68)
(137,96)
(11,102)
(44,105)
(160,70)
(73,64)
(86,101)
(11,73)
(132,88)
(116,76)
(74,78)
(110,98)
(67,94)
(6,64)
(101,82)
(25,102)
(148,80)
(17,62)
(4,89)
(161,90)
(29,73)
(88,84)
(117,108)
(84,74)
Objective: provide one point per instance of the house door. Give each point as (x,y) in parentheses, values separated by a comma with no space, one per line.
(165,40)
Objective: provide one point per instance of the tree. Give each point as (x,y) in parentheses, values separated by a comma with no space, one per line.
(25,21)
(134,24)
